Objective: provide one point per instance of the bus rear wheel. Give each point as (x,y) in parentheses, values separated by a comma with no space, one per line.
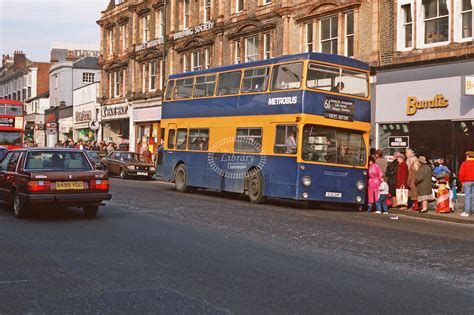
(180,178)
(255,186)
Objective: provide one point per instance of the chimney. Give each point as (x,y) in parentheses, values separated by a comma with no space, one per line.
(19,59)
(6,60)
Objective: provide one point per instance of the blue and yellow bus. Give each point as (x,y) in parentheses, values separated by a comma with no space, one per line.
(293,127)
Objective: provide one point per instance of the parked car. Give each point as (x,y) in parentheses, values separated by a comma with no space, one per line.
(3,152)
(96,158)
(128,164)
(31,178)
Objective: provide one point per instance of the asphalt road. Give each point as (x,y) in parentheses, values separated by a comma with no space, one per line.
(153,250)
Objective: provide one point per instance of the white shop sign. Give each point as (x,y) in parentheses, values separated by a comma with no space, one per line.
(194,30)
(147,114)
(468,85)
(112,112)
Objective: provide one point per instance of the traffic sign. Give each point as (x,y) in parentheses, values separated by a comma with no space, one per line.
(94,125)
(398,142)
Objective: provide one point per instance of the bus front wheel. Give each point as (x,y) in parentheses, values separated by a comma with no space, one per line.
(180,178)
(255,186)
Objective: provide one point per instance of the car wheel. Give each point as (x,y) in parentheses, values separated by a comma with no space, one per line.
(180,178)
(255,186)
(91,211)
(18,207)
(123,175)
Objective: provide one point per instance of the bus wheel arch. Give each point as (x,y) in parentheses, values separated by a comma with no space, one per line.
(254,185)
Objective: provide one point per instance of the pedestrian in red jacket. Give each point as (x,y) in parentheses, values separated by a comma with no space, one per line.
(466,177)
(402,172)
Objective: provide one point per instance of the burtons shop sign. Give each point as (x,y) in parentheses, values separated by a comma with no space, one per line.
(414,104)
(115,112)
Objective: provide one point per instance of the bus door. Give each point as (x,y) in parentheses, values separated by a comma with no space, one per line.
(169,156)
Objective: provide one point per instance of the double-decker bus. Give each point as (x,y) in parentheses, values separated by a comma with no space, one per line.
(11,124)
(293,127)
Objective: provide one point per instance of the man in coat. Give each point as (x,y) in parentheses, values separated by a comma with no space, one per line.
(423,184)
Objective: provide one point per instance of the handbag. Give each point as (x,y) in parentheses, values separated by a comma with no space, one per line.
(402,196)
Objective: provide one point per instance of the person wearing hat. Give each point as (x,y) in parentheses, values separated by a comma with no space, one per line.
(402,174)
(423,183)
(466,177)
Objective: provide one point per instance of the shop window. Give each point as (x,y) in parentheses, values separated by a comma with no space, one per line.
(171,136)
(251,49)
(287,76)
(169,90)
(255,80)
(248,140)
(198,139)
(205,86)
(229,83)
(309,37)
(184,88)
(286,139)
(181,139)
(390,130)
(349,43)
(329,33)
(436,21)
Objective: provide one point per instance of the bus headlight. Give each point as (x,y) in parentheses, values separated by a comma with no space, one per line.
(360,185)
(306,180)
(305,195)
(365,173)
(359,199)
(131,167)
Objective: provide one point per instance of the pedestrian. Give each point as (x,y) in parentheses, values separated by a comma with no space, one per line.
(413,167)
(423,184)
(466,177)
(110,148)
(380,160)
(391,173)
(147,156)
(402,175)
(123,146)
(375,179)
(382,206)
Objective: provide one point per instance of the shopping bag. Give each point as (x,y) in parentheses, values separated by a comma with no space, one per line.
(402,196)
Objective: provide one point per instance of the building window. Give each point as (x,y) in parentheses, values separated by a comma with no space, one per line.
(207,10)
(265,2)
(162,75)
(87,77)
(349,47)
(436,21)
(159,24)
(56,82)
(111,88)
(29,92)
(152,71)
(123,31)
(239,5)
(185,63)
(309,35)
(207,58)
(407,27)
(251,49)
(466,18)
(119,78)
(237,51)
(266,46)
(111,41)
(195,60)
(329,33)
(186,15)
(145,22)
(144,76)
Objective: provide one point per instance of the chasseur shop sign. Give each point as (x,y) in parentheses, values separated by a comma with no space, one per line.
(115,111)
(338,109)
(7,122)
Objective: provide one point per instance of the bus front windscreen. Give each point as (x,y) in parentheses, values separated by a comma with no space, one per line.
(333,145)
(10,138)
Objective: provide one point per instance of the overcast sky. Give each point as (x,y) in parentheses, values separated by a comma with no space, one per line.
(33,25)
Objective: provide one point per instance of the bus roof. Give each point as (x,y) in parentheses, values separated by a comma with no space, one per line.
(10,102)
(329,58)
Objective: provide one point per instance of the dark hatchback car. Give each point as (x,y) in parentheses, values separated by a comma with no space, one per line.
(127,164)
(96,158)
(35,178)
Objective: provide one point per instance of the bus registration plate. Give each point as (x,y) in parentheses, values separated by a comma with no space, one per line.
(69,185)
(331,194)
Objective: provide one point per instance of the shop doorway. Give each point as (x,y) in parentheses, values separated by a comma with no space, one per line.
(432,139)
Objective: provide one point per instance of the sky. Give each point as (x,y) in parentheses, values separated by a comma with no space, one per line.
(33,25)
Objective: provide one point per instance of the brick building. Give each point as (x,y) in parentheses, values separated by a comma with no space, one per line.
(210,33)
(425,79)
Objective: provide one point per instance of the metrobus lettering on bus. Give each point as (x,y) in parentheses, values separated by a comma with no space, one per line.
(220,132)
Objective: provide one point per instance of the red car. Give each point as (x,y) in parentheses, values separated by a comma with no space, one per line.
(32,178)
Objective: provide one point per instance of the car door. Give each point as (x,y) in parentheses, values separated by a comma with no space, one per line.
(3,170)
(10,174)
(112,163)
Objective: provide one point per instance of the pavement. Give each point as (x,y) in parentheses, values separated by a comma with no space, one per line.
(154,250)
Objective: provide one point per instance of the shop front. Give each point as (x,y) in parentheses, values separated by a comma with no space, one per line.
(115,123)
(428,109)
(147,128)
(83,115)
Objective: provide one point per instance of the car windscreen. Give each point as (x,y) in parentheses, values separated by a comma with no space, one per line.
(129,157)
(57,161)
(96,155)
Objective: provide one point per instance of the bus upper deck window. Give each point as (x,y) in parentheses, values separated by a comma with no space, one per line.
(229,83)
(183,88)
(169,90)
(205,86)
(255,80)
(287,76)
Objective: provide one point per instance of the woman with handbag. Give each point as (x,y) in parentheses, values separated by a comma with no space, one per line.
(401,181)
(391,173)
(375,179)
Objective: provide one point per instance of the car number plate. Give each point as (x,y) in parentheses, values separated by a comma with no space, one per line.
(331,194)
(69,185)
(142,173)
